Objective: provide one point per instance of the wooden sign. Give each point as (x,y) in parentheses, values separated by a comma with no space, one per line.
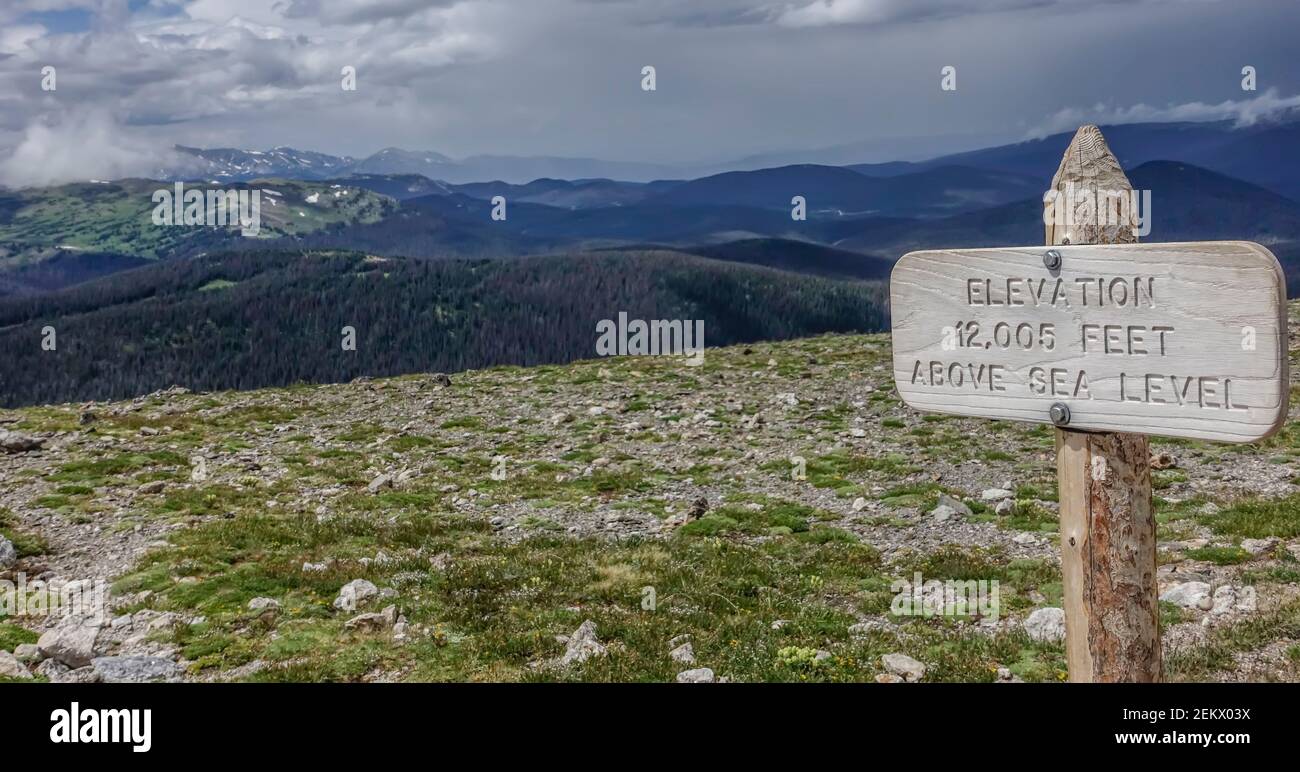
(1181,340)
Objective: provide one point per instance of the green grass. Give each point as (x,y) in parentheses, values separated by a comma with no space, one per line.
(12,636)
(1258,519)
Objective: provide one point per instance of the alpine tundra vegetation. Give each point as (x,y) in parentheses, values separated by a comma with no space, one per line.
(621,519)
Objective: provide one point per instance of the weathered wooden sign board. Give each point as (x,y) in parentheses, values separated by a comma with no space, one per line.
(1180,340)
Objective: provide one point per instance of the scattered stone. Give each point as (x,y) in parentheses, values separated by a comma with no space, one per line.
(135,670)
(685,654)
(1005,507)
(310,568)
(262,604)
(888,678)
(1259,546)
(1025,537)
(996,494)
(1229,599)
(28,653)
(902,665)
(1163,461)
(10,667)
(859,504)
(8,553)
(700,675)
(13,442)
(379,483)
(384,620)
(355,593)
(1190,595)
(582,645)
(71,641)
(152,488)
(956,505)
(1046,625)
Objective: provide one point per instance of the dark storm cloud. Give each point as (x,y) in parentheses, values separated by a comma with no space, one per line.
(562,77)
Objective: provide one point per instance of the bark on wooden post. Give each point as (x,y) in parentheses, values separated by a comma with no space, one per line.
(1108,543)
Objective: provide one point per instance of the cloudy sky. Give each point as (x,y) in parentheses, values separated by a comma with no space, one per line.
(563,77)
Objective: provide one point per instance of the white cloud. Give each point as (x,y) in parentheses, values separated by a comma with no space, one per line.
(91,145)
(1243,112)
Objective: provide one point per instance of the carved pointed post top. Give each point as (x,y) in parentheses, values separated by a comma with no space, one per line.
(1089,179)
(1108,546)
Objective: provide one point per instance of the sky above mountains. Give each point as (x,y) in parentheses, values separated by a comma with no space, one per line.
(564,77)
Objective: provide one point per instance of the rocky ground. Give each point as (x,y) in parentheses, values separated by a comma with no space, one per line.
(620,519)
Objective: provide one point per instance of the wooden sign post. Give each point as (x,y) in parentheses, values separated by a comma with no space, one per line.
(1110,341)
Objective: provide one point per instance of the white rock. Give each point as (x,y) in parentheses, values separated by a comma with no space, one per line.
(1190,595)
(582,645)
(379,483)
(942,513)
(859,504)
(996,494)
(684,654)
(8,553)
(71,642)
(354,593)
(1229,599)
(261,604)
(1025,537)
(700,675)
(902,665)
(10,667)
(1046,625)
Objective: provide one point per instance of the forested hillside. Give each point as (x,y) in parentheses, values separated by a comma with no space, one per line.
(256,319)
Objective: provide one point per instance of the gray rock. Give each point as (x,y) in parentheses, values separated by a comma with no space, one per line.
(902,665)
(700,675)
(82,675)
(1190,595)
(135,669)
(685,654)
(1046,625)
(10,667)
(262,604)
(1005,507)
(582,645)
(379,483)
(155,487)
(1259,546)
(1025,537)
(71,641)
(13,442)
(384,620)
(355,593)
(8,553)
(996,494)
(942,513)
(1229,599)
(888,678)
(956,505)
(28,653)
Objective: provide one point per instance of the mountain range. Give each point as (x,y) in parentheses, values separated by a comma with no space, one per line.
(1263,153)
(400,245)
